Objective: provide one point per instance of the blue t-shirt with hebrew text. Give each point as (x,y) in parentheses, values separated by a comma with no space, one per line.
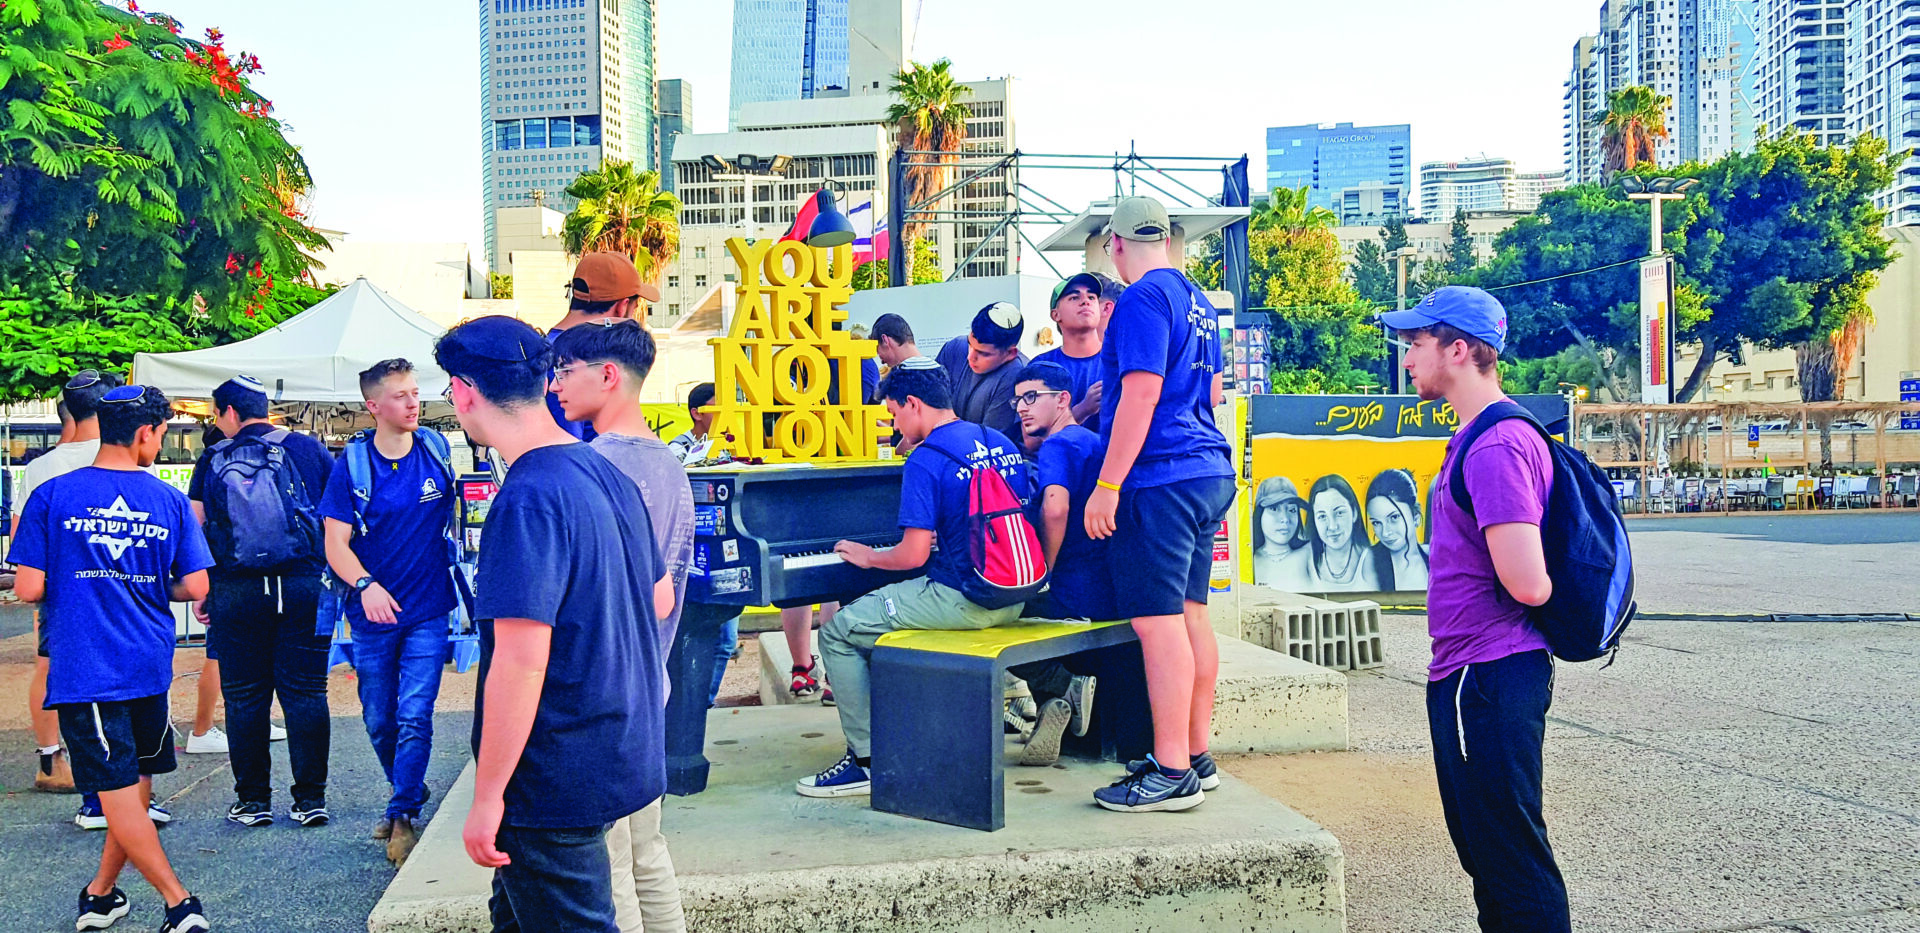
(1081,586)
(405,546)
(1164,325)
(1085,372)
(933,490)
(111,543)
(569,545)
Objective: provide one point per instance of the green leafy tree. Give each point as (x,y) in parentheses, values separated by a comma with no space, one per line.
(1783,244)
(1393,235)
(1323,338)
(923,270)
(1550,375)
(1372,275)
(1630,128)
(137,162)
(622,210)
(1461,256)
(500,284)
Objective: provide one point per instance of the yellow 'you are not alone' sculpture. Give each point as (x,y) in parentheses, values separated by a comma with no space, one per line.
(785,348)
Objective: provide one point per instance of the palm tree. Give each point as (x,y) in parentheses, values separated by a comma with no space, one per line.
(1288,211)
(1635,119)
(624,211)
(931,117)
(1824,361)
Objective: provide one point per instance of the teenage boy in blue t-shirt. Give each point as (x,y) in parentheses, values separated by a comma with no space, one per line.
(569,727)
(107,547)
(1079,313)
(1165,483)
(1081,586)
(933,501)
(392,550)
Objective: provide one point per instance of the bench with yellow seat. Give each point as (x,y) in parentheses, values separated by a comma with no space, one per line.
(938,747)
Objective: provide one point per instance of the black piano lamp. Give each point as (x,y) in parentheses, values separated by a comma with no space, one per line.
(831,227)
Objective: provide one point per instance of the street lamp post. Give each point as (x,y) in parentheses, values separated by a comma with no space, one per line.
(1401,257)
(1656,289)
(1657,191)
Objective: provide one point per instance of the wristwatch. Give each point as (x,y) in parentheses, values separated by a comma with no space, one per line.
(360,585)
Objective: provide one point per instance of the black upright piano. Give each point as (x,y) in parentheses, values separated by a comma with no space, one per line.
(764,536)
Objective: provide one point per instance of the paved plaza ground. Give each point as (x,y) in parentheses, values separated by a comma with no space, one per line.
(1721,776)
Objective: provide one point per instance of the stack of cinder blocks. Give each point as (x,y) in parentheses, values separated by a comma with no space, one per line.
(1341,636)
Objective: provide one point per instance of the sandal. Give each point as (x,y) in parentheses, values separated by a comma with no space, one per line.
(804,685)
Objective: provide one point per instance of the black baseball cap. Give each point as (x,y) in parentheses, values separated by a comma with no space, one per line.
(501,338)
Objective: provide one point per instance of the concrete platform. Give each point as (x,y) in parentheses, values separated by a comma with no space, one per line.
(1268,702)
(754,856)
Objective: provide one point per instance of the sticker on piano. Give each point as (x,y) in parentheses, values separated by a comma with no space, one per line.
(699,568)
(702,491)
(722,490)
(710,519)
(731,580)
(730,550)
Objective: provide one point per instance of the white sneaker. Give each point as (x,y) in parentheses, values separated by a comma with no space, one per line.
(211,742)
(276,732)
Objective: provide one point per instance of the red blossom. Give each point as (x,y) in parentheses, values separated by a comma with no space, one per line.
(132,7)
(116,43)
(233,264)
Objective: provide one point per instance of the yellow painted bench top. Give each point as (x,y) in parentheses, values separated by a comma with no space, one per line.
(985,642)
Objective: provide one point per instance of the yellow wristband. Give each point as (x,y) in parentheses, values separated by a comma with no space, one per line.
(1103,484)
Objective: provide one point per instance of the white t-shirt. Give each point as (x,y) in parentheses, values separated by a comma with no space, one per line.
(59,461)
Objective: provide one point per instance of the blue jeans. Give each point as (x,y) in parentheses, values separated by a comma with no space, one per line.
(399,669)
(723,653)
(560,880)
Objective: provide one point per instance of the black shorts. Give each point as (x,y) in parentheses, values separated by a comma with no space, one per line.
(1162,545)
(112,744)
(39,636)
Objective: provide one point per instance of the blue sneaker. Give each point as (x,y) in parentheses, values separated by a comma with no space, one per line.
(90,816)
(1151,790)
(98,913)
(186,917)
(845,779)
(1201,764)
(158,814)
(250,813)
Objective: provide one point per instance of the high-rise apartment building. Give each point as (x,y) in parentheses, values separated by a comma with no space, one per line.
(1883,91)
(564,85)
(1331,158)
(807,49)
(674,111)
(1803,67)
(1700,54)
(1483,184)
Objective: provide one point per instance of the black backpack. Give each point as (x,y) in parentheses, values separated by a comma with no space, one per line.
(260,518)
(1585,540)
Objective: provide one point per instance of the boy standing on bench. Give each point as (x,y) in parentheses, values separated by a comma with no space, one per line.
(1166,482)
(933,501)
(1081,587)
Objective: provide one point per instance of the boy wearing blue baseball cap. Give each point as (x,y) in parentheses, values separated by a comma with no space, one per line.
(1491,679)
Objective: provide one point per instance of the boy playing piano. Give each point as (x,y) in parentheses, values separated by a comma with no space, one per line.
(933,501)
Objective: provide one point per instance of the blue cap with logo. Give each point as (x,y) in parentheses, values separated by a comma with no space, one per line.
(1460,306)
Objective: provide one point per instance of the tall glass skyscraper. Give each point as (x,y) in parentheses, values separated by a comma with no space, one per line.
(564,84)
(787,50)
(1331,158)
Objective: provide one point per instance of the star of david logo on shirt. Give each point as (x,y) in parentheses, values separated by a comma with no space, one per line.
(119,509)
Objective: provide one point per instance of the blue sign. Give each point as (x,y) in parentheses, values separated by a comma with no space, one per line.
(1910,392)
(1753,434)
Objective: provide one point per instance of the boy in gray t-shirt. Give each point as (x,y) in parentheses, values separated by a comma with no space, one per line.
(598,373)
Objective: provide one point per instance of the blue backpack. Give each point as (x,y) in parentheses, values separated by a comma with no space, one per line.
(261,518)
(359,460)
(1585,541)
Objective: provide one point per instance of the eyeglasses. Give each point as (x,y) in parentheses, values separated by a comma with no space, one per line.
(560,375)
(446,394)
(83,378)
(1107,247)
(1019,401)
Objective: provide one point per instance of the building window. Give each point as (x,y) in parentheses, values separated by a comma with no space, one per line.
(699,281)
(673,281)
(699,252)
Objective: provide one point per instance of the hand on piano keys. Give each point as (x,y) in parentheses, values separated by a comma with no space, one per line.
(855,553)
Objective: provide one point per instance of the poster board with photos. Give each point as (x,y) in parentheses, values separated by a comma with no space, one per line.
(1340,489)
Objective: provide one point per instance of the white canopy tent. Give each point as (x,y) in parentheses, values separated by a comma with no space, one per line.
(314,356)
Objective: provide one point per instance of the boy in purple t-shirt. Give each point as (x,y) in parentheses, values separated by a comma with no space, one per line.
(1491,680)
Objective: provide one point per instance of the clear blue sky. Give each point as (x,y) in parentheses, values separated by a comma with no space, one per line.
(383,97)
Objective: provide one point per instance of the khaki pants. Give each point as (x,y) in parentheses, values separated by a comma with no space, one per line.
(646,894)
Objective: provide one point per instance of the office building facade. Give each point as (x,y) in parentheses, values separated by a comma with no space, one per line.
(564,85)
(674,115)
(787,50)
(1705,56)
(1483,184)
(1329,159)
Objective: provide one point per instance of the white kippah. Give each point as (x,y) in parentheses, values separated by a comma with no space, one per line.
(918,362)
(248,383)
(1003,314)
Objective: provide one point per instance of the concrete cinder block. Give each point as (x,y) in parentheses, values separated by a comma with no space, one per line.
(1364,636)
(1267,702)
(776,668)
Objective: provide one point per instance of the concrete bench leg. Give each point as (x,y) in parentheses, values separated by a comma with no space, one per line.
(937,747)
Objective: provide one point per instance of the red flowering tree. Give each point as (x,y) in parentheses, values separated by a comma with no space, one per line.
(139,172)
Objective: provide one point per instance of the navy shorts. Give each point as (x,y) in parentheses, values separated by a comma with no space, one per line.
(39,636)
(113,744)
(1162,545)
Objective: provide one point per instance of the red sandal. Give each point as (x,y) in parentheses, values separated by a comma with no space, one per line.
(804,685)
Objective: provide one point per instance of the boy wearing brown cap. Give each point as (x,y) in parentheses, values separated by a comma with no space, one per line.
(606,286)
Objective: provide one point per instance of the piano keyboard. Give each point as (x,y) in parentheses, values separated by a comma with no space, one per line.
(806,559)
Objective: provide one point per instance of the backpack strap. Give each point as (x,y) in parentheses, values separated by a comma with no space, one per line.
(360,474)
(1494,414)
